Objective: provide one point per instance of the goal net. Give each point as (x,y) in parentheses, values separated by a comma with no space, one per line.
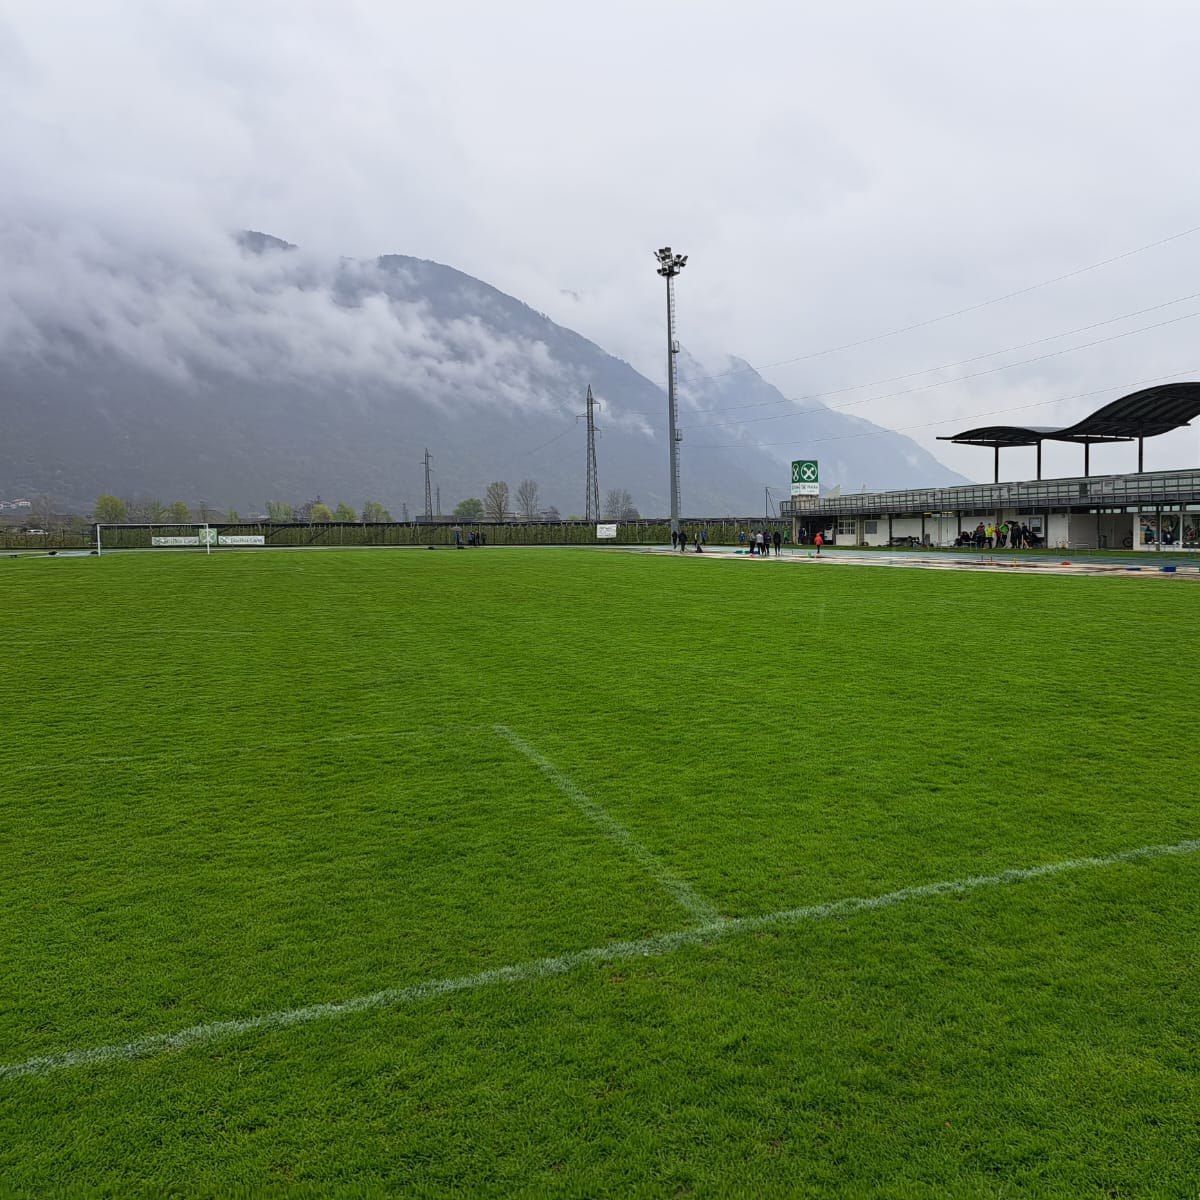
(187,536)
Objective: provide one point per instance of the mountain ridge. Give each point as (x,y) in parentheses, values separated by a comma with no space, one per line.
(269,375)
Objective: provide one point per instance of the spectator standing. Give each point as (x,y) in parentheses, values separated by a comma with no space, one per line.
(778,542)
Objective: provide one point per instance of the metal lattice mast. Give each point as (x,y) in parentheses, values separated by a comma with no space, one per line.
(428,492)
(669,265)
(592,499)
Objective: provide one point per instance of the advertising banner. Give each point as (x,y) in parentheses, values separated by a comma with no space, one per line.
(606,531)
(805,480)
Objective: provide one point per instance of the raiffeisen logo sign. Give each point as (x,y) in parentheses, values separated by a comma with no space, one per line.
(805,479)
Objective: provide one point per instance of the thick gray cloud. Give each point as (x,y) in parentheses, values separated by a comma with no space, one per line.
(833,173)
(293,316)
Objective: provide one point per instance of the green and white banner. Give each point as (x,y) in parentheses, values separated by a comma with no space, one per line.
(805,480)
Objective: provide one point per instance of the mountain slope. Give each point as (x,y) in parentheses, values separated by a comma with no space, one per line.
(735,405)
(246,371)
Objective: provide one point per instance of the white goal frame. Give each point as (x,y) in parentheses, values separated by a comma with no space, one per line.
(206,535)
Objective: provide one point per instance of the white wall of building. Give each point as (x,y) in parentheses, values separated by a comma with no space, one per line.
(1058,531)
(1145,531)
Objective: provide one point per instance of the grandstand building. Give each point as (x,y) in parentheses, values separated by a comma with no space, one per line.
(1157,510)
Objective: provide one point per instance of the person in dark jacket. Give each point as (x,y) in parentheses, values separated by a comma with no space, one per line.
(778,539)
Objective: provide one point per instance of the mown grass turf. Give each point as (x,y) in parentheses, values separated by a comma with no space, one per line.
(240,784)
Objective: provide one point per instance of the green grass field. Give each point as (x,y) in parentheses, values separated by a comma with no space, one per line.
(568,844)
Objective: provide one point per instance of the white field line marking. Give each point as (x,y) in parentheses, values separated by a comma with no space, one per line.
(680,891)
(185,757)
(544,968)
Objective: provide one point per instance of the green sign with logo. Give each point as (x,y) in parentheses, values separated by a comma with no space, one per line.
(805,480)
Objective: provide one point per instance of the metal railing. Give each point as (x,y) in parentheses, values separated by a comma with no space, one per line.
(1151,489)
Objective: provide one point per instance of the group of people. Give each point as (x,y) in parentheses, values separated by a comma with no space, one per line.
(1014,536)
(679,541)
(761,541)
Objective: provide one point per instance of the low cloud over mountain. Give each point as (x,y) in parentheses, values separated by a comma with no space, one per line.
(243,370)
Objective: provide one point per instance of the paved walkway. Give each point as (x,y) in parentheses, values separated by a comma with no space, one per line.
(1162,565)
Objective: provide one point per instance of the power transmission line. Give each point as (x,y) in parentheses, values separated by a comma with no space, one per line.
(959,312)
(922,325)
(995,412)
(925,387)
(856,387)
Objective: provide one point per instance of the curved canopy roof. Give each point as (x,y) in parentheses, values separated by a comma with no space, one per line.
(1002,435)
(1141,414)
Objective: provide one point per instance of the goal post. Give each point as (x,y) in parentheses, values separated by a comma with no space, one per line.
(172,535)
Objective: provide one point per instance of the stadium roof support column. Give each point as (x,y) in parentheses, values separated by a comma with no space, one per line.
(1141,449)
(1087,457)
(1039,460)
(996,473)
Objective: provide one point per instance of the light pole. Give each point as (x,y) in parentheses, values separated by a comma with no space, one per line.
(669,265)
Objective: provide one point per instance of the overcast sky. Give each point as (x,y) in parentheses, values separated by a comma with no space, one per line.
(834,172)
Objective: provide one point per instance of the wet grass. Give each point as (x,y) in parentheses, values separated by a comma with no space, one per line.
(242,784)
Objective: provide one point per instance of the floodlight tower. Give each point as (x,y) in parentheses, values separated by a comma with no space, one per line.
(669,265)
(428,493)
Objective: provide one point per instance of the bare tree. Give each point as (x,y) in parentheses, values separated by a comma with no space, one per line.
(618,505)
(495,501)
(527,499)
(42,512)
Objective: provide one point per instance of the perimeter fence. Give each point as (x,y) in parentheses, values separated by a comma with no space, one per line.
(715,531)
